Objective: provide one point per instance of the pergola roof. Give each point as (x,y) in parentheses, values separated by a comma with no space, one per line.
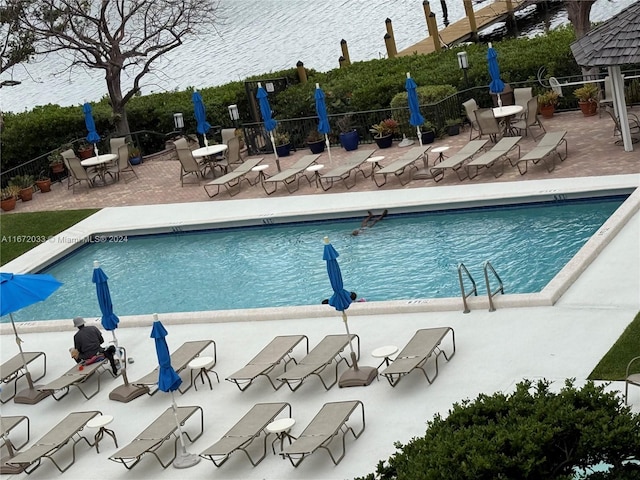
(614,42)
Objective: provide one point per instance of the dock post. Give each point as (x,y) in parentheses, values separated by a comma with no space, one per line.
(473,28)
(302,72)
(341,61)
(433,32)
(345,52)
(427,11)
(392,42)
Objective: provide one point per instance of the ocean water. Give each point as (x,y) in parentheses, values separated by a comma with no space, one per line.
(258,36)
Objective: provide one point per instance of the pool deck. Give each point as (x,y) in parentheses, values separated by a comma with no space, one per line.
(494,350)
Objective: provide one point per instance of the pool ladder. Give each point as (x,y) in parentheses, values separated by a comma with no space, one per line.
(488,268)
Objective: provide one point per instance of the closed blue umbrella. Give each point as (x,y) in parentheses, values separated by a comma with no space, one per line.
(269,123)
(19,291)
(323,123)
(93,136)
(202,126)
(416,119)
(497,85)
(109,319)
(340,300)
(169,381)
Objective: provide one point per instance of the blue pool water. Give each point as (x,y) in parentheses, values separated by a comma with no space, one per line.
(402,257)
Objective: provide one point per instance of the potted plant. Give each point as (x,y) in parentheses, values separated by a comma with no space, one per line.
(315,141)
(453,126)
(547,103)
(282,143)
(43,182)
(348,134)
(135,155)
(428,132)
(55,162)
(9,197)
(85,150)
(25,186)
(384,132)
(587,96)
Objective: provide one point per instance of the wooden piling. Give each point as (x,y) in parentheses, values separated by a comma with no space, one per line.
(302,72)
(390,40)
(433,31)
(473,27)
(345,53)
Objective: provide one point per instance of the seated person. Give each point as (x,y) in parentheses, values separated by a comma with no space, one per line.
(87,344)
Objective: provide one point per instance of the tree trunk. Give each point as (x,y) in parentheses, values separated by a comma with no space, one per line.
(578,12)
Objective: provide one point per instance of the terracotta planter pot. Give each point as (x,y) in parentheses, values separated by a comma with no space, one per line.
(44,185)
(57,168)
(547,111)
(589,109)
(84,154)
(8,204)
(26,194)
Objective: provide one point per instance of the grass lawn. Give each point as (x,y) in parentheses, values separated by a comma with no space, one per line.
(614,363)
(17,228)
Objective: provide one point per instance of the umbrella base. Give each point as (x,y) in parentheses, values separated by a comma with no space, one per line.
(126,393)
(186,460)
(358,378)
(31,396)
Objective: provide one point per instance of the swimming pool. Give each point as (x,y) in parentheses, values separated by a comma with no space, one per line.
(409,256)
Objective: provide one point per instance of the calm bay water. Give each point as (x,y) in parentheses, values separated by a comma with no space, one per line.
(257,36)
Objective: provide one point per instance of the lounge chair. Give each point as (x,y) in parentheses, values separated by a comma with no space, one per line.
(546,150)
(399,166)
(267,360)
(250,427)
(68,430)
(231,181)
(328,351)
(155,435)
(454,162)
(424,345)
(77,377)
(179,361)
(329,424)
(13,370)
(343,172)
(494,157)
(530,119)
(631,377)
(290,177)
(7,424)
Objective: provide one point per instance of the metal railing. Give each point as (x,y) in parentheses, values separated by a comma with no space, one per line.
(474,291)
(489,268)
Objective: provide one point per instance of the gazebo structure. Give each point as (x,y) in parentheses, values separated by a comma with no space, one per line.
(613,43)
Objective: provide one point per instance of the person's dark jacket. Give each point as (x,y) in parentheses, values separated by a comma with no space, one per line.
(88,341)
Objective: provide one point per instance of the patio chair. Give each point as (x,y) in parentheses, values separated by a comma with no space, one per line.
(521,97)
(53,442)
(267,360)
(498,155)
(188,164)
(631,377)
(155,435)
(634,125)
(455,161)
(7,424)
(470,106)
(605,97)
(252,426)
(232,180)
(343,172)
(546,150)
(327,352)
(290,177)
(77,173)
(330,423)
(424,344)
(77,377)
(13,370)
(398,167)
(115,143)
(488,124)
(179,361)
(530,119)
(122,165)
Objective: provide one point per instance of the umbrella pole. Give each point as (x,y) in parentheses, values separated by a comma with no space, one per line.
(419,135)
(273,142)
(24,362)
(326,140)
(356,376)
(354,360)
(29,396)
(183,458)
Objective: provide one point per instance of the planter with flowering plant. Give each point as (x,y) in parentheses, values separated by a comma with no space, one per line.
(384,132)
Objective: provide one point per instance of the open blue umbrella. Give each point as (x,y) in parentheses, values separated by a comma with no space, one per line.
(93,136)
(19,291)
(202,126)
(269,123)
(169,381)
(416,119)
(497,85)
(323,123)
(340,300)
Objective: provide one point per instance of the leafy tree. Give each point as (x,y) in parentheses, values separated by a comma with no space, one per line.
(17,44)
(531,433)
(121,37)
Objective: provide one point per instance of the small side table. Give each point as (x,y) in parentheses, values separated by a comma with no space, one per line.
(281,428)
(440,151)
(315,170)
(384,353)
(202,365)
(259,169)
(100,422)
(374,163)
